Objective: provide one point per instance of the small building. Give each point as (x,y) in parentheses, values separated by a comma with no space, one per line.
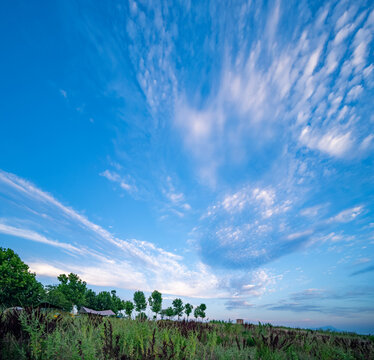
(239,321)
(85,310)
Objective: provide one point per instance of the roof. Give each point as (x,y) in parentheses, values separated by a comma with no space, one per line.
(85,310)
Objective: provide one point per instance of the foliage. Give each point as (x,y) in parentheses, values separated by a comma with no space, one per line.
(196,312)
(155,302)
(128,307)
(18,286)
(200,311)
(91,300)
(188,309)
(178,307)
(140,302)
(36,335)
(169,312)
(70,291)
(55,296)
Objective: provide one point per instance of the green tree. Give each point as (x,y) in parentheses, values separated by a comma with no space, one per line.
(163,314)
(169,312)
(155,302)
(70,291)
(55,296)
(18,286)
(104,300)
(73,288)
(178,307)
(196,312)
(129,307)
(188,309)
(140,302)
(91,299)
(117,303)
(202,311)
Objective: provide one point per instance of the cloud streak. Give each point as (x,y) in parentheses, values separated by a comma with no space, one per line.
(131,255)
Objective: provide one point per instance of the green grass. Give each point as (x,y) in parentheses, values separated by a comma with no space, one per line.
(35,335)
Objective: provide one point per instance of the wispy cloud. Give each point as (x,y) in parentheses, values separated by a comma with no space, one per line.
(63,93)
(34,236)
(347,215)
(238,304)
(176,199)
(305,84)
(116,178)
(130,256)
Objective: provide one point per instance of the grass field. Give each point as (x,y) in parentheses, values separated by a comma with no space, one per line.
(32,334)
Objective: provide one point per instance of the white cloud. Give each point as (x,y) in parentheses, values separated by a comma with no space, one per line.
(134,264)
(253,285)
(354,93)
(176,198)
(367,141)
(34,236)
(114,177)
(313,61)
(347,215)
(312,211)
(63,93)
(333,142)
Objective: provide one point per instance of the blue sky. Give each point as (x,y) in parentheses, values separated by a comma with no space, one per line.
(217,151)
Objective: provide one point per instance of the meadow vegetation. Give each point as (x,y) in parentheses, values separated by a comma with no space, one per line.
(34,334)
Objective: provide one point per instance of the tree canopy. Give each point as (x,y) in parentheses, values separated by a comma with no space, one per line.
(128,307)
(18,286)
(70,291)
(155,302)
(140,302)
(169,312)
(200,311)
(188,309)
(178,307)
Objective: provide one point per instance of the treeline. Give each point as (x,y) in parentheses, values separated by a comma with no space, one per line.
(19,287)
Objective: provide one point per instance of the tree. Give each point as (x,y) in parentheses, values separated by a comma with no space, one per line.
(18,286)
(140,302)
(202,311)
(104,301)
(55,296)
(129,307)
(188,309)
(73,288)
(169,312)
(196,312)
(163,314)
(178,307)
(91,299)
(117,303)
(155,302)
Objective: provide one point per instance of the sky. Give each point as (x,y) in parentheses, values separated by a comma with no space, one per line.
(221,152)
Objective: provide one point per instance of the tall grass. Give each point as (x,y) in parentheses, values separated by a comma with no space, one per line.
(32,334)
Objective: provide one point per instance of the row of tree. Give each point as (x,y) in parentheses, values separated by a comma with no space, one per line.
(155,304)
(19,287)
